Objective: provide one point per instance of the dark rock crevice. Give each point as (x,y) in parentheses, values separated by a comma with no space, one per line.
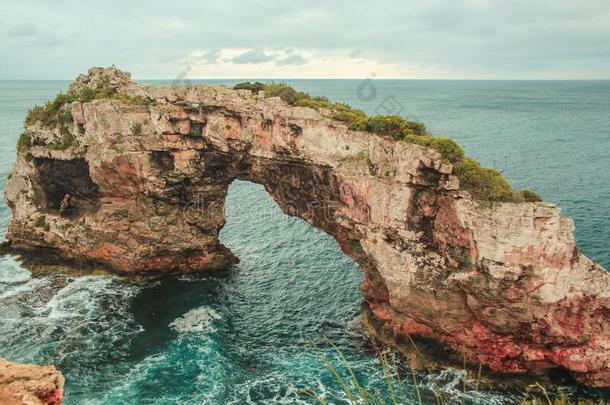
(58,178)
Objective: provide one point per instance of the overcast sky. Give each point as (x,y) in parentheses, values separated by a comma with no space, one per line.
(436,39)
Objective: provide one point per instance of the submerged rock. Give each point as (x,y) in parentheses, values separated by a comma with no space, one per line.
(148,168)
(30,384)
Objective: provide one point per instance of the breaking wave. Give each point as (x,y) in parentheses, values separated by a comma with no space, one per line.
(196,320)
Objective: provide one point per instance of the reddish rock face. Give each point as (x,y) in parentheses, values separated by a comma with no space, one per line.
(30,384)
(502,283)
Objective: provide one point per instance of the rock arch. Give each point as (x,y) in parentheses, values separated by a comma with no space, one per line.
(502,283)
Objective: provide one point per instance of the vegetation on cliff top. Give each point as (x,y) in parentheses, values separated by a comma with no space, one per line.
(53,114)
(483,183)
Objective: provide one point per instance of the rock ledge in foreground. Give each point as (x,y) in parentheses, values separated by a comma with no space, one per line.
(30,384)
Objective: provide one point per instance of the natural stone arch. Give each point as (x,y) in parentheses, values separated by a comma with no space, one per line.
(502,283)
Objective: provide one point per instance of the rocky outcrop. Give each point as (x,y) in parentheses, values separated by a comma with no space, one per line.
(30,384)
(110,78)
(142,187)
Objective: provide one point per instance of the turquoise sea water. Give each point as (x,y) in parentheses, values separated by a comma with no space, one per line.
(236,336)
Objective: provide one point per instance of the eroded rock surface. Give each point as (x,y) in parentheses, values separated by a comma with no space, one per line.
(503,283)
(30,384)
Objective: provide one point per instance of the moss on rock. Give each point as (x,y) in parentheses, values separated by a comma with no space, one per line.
(24,143)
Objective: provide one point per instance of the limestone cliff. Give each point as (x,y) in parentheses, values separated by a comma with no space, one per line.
(137,182)
(30,384)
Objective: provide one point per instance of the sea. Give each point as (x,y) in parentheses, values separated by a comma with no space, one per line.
(276,327)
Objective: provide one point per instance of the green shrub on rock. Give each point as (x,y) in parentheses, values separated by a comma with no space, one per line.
(41,222)
(292,96)
(50,115)
(283,91)
(24,143)
(89,94)
(36,114)
(254,87)
(136,129)
(416,127)
(390,125)
(316,102)
(450,151)
(354,119)
(526,196)
(67,141)
(53,114)
(484,183)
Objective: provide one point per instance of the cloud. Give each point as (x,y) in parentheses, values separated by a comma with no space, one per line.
(280,57)
(253,57)
(406,38)
(210,57)
(289,63)
(294,59)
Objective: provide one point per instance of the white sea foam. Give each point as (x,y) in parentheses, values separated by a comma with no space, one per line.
(125,388)
(11,271)
(15,281)
(278,390)
(450,382)
(80,298)
(197,320)
(64,316)
(13,278)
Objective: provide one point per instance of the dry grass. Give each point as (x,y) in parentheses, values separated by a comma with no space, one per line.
(398,384)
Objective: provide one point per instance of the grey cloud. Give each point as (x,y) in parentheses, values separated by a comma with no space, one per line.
(253,57)
(210,57)
(513,39)
(294,59)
